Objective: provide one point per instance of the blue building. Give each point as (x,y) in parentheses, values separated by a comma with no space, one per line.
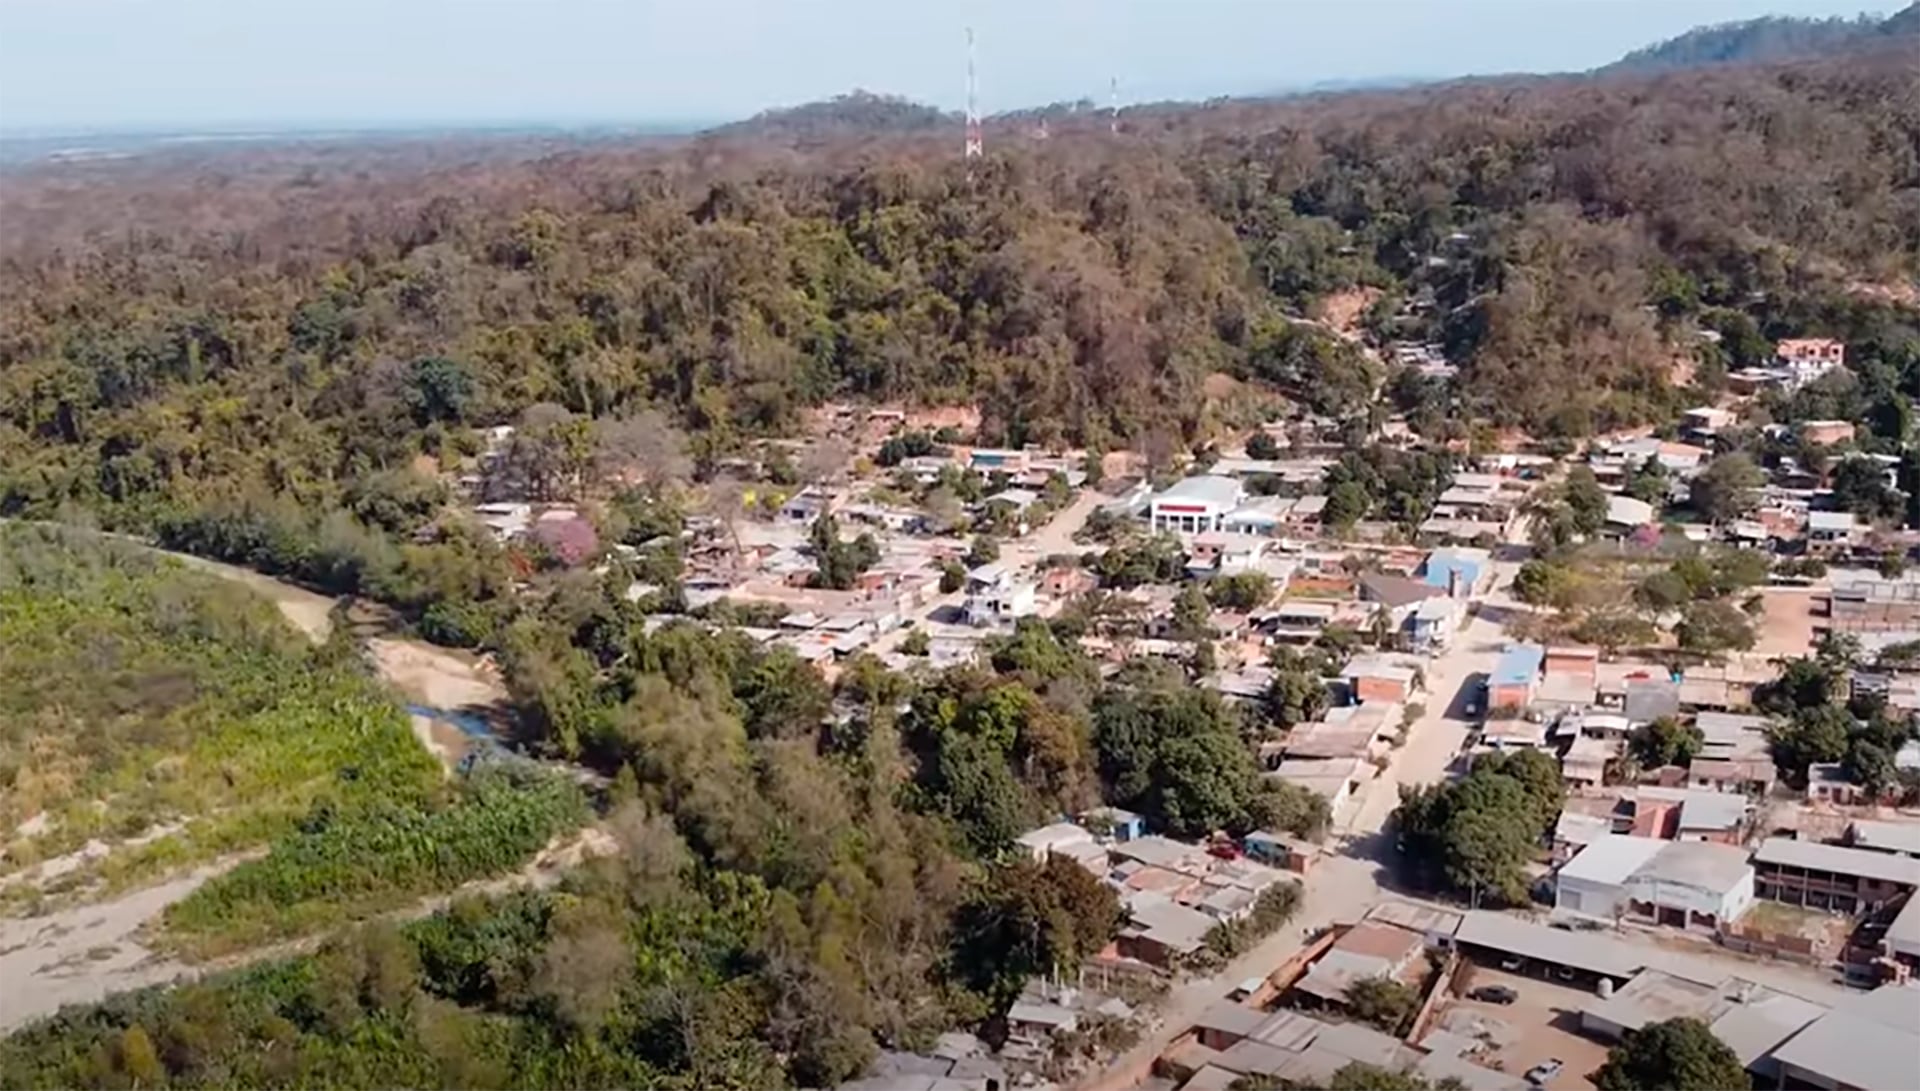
(1458,570)
(1511,683)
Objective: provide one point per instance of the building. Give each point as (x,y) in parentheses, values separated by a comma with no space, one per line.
(1871,604)
(1332,780)
(1750,1018)
(1678,883)
(810,504)
(1830,532)
(1868,1040)
(1826,433)
(1831,877)
(1735,776)
(1432,623)
(997,595)
(1195,504)
(1593,883)
(1459,571)
(1899,838)
(1626,515)
(1650,699)
(1382,678)
(1367,950)
(1805,359)
(1705,423)
(992,460)
(1511,682)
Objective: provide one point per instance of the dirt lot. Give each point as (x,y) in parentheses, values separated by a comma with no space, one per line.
(1786,628)
(1543,1023)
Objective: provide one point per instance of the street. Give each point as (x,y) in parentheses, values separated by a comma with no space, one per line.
(1343,885)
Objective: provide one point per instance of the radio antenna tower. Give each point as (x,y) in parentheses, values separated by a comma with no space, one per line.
(1113,105)
(975,146)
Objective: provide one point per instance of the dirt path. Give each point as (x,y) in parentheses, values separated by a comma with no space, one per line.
(84,955)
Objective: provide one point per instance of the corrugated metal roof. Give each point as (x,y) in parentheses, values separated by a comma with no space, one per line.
(1861,863)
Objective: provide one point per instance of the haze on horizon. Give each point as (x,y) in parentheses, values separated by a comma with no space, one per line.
(68,65)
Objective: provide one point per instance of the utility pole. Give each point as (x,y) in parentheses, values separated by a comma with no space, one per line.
(1113,106)
(975,145)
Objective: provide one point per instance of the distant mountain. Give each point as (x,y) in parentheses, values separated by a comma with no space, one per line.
(859,112)
(1771,38)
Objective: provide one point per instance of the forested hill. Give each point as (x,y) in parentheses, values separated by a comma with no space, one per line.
(177,331)
(1775,38)
(858,113)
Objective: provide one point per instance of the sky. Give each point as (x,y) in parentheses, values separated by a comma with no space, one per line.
(118,64)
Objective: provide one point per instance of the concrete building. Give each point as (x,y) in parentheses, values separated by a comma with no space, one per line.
(1752,1019)
(1679,883)
(998,595)
(1831,877)
(1830,532)
(1195,504)
(1826,433)
(1459,571)
(1383,678)
(1804,359)
(1512,681)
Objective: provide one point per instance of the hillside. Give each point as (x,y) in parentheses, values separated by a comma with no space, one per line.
(206,348)
(1771,38)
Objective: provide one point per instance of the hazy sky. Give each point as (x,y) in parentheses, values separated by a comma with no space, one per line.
(79,63)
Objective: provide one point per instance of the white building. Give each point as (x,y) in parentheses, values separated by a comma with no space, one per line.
(1681,883)
(996,595)
(1195,504)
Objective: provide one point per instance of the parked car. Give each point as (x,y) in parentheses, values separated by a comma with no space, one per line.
(1513,965)
(1539,1074)
(1494,994)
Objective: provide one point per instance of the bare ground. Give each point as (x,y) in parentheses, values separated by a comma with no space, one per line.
(84,955)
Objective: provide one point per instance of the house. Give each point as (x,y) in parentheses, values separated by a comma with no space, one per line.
(1705,422)
(1280,850)
(1351,731)
(1381,678)
(1298,620)
(996,595)
(1511,683)
(1827,782)
(1804,359)
(1332,780)
(1831,532)
(505,520)
(1831,877)
(1194,504)
(1054,839)
(1584,765)
(1367,950)
(992,460)
(1873,604)
(1750,1018)
(1825,433)
(1224,553)
(1734,776)
(1116,823)
(1160,931)
(809,504)
(1626,515)
(1433,623)
(1459,571)
(1650,699)
(1719,817)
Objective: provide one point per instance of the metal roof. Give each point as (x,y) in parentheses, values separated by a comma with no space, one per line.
(1221,492)
(1900,837)
(1846,1048)
(1860,863)
(1518,665)
(1580,950)
(1611,859)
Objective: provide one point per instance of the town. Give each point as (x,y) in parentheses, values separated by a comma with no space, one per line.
(1541,605)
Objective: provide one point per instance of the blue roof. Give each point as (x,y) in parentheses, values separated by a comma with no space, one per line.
(1518,665)
(1442,563)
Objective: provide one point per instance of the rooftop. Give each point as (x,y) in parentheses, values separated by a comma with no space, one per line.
(1705,865)
(1611,859)
(1519,665)
(1861,863)
(1897,837)
(1589,951)
(1222,492)
(1855,1047)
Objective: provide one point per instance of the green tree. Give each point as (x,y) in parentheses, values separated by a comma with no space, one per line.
(1677,1053)
(1242,591)
(1191,613)
(1383,1002)
(439,389)
(1664,742)
(1725,489)
(984,550)
(1714,628)
(1817,734)
(1262,446)
(1870,766)
(1031,919)
(1586,500)
(1545,583)
(1347,504)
